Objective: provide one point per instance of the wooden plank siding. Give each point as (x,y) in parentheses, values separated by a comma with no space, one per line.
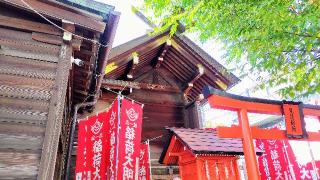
(31,98)
(39,85)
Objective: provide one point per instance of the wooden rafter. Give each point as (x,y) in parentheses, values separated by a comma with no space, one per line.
(163,53)
(135,62)
(119,84)
(190,85)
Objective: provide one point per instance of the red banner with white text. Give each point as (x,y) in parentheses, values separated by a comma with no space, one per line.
(144,172)
(92,152)
(279,162)
(109,146)
(129,138)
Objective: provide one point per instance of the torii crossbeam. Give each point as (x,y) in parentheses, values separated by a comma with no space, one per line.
(294,113)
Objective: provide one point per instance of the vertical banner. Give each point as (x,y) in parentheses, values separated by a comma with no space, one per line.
(279,162)
(81,162)
(91,154)
(129,140)
(113,121)
(144,172)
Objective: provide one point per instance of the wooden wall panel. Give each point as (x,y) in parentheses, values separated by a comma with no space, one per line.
(19,165)
(18,142)
(28,71)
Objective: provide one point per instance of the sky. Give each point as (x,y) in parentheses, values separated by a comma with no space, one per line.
(130,27)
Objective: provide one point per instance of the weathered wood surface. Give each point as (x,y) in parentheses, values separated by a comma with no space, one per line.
(26,81)
(33,47)
(18,165)
(8,51)
(28,25)
(56,107)
(28,70)
(22,92)
(21,129)
(31,63)
(18,142)
(60,13)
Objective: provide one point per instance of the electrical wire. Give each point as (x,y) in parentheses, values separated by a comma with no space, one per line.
(49,21)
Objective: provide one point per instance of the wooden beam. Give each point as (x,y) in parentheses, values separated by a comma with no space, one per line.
(58,13)
(163,53)
(135,62)
(28,25)
(54,122)
(194,79)
(47,38)
(119,84)
(258,133)
(227,103)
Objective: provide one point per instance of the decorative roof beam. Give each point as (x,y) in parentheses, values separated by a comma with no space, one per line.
(135,62)
(163,53)
(119,84)
(196,77)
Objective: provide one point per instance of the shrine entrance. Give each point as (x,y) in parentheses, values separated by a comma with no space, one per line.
(293,112)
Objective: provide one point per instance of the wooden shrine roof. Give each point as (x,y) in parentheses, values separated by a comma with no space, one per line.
(180,57)
(201,142)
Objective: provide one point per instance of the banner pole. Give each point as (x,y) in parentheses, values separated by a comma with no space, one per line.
(118,130)
(312,160)
(149,158)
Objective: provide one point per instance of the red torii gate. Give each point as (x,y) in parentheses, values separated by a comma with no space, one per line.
(293,112)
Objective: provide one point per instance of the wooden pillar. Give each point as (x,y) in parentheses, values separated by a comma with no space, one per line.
(248,146)
(54,122)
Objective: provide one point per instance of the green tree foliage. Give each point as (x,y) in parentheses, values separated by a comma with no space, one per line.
(280,38)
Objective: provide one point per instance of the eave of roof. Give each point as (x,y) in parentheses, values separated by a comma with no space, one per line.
(128,46)
(210,60)
(90,6)
(59,14)
(126,49)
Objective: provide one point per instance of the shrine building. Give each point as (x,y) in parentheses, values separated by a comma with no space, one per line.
(166,74)
(58,65)
(201,154)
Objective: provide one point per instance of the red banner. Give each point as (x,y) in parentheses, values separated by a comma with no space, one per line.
(279,162)
(130,137)
(144,172)
(81,170)
(91,154)
(106,151)
(113,120)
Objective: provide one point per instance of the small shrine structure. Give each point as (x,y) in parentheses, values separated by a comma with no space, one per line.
(201,154)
